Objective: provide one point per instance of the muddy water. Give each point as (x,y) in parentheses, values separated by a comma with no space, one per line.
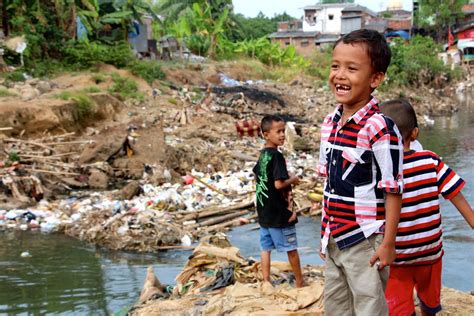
(67,277)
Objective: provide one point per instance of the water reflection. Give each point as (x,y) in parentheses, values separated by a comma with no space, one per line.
(55,278)
(65,276)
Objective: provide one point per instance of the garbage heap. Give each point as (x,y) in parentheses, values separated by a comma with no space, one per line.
(144,217)
(217,280)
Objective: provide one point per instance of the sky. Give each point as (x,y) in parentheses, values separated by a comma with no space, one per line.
(250,8)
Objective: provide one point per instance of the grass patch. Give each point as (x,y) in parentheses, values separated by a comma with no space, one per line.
(91,89)
(83,102)
(5,93)
(126,88)
(149,70)
(172,101)
(98,78)
(15,76)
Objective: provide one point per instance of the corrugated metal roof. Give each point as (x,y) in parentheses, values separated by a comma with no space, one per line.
(293,34)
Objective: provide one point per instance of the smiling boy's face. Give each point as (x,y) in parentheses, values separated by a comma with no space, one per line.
(351,77)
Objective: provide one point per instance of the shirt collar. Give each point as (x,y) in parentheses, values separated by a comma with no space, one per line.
(357,116)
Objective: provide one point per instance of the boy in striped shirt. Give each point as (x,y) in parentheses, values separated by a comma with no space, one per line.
(419,237)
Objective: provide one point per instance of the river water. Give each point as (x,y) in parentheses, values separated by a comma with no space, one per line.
(66,277)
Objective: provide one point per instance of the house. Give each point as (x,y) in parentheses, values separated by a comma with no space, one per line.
(328,18)
(322,25)
(464,27)
(355,17)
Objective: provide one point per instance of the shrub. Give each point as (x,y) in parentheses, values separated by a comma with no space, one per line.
(15,76)
(126,88)
(320,64)
(415,63)
(83,102)
(86,54)
(148,70)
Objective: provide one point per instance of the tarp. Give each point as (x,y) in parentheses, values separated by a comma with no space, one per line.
(403,34)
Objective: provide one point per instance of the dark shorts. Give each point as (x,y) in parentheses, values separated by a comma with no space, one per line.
(281,239)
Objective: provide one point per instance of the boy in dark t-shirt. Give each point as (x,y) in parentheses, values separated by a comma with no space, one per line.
(274,200)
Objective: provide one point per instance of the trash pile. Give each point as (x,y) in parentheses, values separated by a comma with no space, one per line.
(159,217)
(218,280)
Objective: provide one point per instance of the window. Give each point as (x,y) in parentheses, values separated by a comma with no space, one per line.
(331,16)
(287,43)
(304,43)
(315,18)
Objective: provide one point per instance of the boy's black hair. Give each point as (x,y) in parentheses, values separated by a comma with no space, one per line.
(267,121)
(377,47)
(402,113)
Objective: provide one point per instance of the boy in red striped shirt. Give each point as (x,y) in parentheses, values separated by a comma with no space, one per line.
(419,237)
(361,157)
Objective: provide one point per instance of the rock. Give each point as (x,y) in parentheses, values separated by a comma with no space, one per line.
(29,93)
(130,190)
(44,86)
(73,183)
(98,180)
(102,150)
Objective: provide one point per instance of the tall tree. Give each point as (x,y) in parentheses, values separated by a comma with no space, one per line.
(438,15)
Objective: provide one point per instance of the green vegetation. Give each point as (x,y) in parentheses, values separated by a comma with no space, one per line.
(15,76)
(126,88)
(5,93)
(98,78)
(206,27)
(13,156)
(437,15)
(416,63)
(91,89)
(148,70)
(84,55)
(83,101)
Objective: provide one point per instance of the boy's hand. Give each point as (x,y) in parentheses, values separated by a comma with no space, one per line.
(385,254)
(294,180)
(292,218)
(322,255)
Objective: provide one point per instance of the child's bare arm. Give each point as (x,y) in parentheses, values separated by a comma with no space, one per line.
(386,252)
(464,208)
(281,184)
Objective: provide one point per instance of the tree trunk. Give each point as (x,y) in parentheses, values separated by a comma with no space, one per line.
(5,21)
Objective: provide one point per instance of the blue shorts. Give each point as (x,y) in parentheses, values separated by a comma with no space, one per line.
(281,239)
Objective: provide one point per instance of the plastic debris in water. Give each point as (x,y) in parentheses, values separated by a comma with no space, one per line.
(25,254)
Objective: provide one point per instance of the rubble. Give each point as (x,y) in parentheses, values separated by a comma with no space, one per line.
(218,280)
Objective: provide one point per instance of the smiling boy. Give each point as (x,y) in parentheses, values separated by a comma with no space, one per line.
(361,157)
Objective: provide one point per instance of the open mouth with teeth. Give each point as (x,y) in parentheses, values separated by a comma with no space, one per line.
(342,89)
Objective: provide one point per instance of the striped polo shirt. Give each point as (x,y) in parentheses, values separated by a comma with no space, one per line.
(419,236)
(361,160)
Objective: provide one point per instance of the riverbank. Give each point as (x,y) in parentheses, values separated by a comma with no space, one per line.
(217,280)
(172,156)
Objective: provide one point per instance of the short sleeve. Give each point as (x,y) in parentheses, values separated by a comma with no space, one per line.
(449,183)
(322,167)
(279,167)
(387,146)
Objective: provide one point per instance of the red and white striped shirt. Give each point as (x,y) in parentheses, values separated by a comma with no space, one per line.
(361,160)
(419,236)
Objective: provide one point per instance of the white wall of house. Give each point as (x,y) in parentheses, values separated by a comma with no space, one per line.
(324,23)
